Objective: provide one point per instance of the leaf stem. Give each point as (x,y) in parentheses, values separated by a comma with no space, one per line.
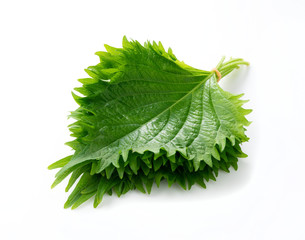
(224,68)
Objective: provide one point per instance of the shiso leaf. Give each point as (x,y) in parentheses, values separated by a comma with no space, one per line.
(145,116)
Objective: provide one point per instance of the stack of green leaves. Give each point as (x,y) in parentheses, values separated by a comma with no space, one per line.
(144,117)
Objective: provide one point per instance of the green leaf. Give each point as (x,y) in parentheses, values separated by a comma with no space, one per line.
(144,116)
(154,102)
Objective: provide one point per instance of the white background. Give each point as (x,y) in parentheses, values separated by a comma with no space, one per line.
(44,47)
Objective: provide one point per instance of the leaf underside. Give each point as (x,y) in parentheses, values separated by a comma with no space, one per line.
(144,116)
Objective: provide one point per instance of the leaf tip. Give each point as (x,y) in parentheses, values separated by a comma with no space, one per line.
(53,185)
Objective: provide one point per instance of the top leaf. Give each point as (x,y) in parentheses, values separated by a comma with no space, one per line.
(141,98)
